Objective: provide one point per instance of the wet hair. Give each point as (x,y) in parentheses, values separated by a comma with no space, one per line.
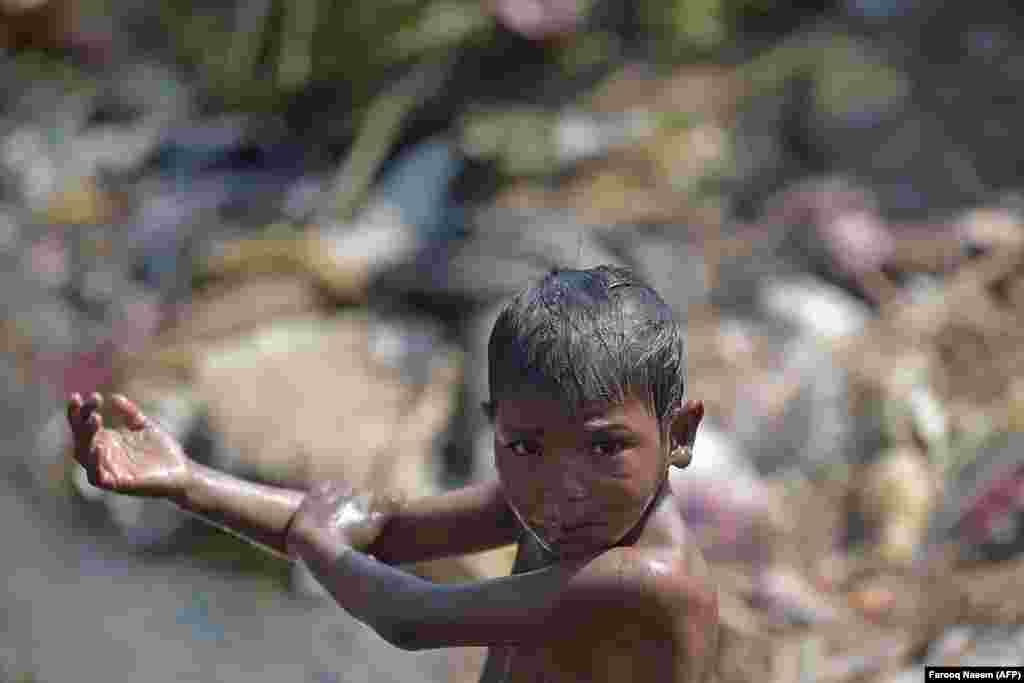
(596,335)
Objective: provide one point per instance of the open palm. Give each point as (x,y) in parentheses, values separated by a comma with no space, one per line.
(139,459)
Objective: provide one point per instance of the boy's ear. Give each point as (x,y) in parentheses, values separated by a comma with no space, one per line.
(683,432)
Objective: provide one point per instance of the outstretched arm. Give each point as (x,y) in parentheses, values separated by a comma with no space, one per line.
(143,459)
(258,513)
(468,520)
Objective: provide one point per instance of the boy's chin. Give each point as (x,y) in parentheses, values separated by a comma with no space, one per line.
(590,542)
(578,548)
(577,551)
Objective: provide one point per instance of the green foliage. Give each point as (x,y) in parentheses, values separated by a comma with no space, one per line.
(520,140)
(262,51)
(851,78)
(61,73)
(698,29)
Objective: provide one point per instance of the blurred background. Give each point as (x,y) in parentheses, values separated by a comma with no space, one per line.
(286,228)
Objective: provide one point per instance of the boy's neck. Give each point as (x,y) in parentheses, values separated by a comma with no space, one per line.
(634,534)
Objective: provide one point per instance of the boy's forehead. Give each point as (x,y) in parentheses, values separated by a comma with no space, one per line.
(534,405)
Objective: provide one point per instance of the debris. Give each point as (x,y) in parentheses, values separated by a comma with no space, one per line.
(36,24)
(848,257)
(824,311)
(899,493)
(82,202)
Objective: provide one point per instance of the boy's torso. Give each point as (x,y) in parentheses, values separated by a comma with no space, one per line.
(608,652)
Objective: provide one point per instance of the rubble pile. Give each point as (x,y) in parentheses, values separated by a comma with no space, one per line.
(311,303)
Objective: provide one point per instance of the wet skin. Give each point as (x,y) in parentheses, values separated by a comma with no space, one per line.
(578,482)
(607,585)
(592,483)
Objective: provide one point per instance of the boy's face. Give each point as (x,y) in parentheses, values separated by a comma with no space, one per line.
(580,482)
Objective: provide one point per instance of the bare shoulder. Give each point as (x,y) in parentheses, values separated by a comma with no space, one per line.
(655,607)
(673,578)
(666,584)
(676,586)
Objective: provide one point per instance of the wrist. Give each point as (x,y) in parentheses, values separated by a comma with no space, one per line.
(288,539)
(317,552)
(312,545)
(188,491)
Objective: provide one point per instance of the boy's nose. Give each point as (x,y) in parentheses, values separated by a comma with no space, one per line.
(573,489)
(568,485)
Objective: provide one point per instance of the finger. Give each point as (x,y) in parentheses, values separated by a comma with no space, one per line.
(93,404)
(83,426)
(94,425)
(91,427)
(131,413)
(74,409)
(86,445)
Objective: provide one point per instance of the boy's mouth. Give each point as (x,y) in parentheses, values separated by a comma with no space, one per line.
(553,525)
(562,533)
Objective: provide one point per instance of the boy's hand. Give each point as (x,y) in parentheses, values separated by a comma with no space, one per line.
(333,516)
(140,459)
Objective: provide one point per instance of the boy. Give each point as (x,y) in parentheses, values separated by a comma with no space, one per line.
(586,371)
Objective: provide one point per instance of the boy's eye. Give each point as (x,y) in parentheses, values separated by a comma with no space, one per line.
(523,448)
(605,449)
